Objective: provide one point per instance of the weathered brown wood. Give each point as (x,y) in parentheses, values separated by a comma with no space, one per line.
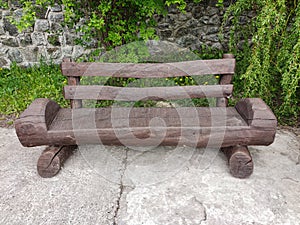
(165,136)
(103,118)
(239,160)
(256,113)
(52,158)
(75,103)
(34,122)
(149,70)
(225,79)
(73,81)
(147,93)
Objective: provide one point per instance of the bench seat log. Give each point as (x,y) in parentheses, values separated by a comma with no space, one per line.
(215,126)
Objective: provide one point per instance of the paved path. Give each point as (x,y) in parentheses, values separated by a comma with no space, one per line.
(162,186)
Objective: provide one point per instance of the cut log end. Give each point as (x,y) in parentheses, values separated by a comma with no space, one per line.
(239,160)
(51,160)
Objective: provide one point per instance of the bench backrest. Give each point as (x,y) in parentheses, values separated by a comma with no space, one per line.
(75,92)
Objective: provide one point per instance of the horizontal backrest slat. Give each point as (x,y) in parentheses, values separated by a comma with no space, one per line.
(98,92)
(149,70)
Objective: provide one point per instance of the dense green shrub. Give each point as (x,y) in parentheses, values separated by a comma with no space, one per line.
(270,67)
(20,86)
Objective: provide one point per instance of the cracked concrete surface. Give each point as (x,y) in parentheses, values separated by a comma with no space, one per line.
(117,185)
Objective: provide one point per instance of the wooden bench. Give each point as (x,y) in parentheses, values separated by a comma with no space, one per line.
(232,129)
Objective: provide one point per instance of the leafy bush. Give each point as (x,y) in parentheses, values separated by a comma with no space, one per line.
(20,86)
(270,67)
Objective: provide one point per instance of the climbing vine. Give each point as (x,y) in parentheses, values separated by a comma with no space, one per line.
(270,66)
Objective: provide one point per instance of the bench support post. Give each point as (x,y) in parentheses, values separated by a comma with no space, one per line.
(239,161)
(52,158)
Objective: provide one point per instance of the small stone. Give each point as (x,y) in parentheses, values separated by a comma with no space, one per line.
(212,37)
(163,26)
(10,41)
(77,51)
(204,19)
(4,62)
(10,28)
(212,30)
(70,39)
(25,39)
(217,46)
(197,12)
(38,38)
(41,25)
(30,54)
(54,53)
(210,11)
(215,20)
(56,27)
(67,51)
(15,55)
(56,8)
(192,23)
(56,17)
(182,31)
(165,34)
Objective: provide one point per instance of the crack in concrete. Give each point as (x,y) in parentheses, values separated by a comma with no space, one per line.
(122,187)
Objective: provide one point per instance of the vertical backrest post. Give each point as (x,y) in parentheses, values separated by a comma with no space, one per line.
(73,81)
(225,79)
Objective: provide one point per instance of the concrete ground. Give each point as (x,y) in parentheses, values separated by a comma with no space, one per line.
(117,185)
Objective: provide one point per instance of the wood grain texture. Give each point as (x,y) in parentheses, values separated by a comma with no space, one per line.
(146,93)
(75,103)
(32,126)
(239,160)
(149,70)
(52,159)
(256,113)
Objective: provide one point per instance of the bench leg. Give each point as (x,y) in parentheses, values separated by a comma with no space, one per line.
(52,159)
(239,160)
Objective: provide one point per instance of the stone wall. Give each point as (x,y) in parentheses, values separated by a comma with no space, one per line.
(47,39)
(50,41)
(200,26)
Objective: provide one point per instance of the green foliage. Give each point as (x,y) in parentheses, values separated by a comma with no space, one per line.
(270,67)
(110,22)
(20,86)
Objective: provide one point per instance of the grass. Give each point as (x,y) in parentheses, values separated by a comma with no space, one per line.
(20,86)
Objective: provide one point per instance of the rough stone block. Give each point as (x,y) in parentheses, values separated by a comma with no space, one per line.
(54,53)
(10,28)
(214,20)
(25,39)
(212,37)
(15,55)
(77,51)
(67,51)
(41,25)
(198,11)
(4,62)
(30,54)
(56,8)
(56,17)
(38,38)
(9,41)
(212,30)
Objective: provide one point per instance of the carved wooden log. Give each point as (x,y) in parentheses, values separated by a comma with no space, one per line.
(34,122)
(239,160)
(52,158)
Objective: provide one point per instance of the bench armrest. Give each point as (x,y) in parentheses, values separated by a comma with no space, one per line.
(33,124)
(256,113)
